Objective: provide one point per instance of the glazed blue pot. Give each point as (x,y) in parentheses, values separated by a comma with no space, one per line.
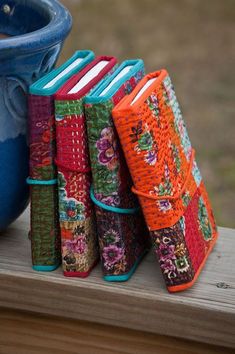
(37,29)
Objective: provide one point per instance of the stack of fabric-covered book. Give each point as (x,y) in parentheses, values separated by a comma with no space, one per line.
(112,171)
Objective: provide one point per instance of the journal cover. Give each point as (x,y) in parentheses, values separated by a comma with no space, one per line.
(123,236)
(45,237)
(166,179)
(78,231)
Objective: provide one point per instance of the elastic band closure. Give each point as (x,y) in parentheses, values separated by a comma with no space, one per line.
(48,182)
(112,208)
(169,197)
(71,169)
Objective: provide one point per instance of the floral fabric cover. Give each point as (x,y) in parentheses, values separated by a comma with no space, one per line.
(167,180)
(123,238)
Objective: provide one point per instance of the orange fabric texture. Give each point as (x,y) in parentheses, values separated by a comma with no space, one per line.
(154,138)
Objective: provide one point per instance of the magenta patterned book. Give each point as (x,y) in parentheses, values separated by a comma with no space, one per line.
(44,229)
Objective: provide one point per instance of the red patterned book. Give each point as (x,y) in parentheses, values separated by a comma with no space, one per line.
(78,231)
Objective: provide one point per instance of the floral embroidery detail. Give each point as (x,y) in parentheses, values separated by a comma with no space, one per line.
(77,245)
(70,209)
(168,268)
(112,200)
(173,254)
(180,250)
(152,102)
(145,142)
(103,147)
(121,241)
(203,220)
(164,188)
(112,254)
(80,229)
(111,236)
(136,132)
(151,158)
(69,259)
(78,256)
(164,205)
(182,264)
(107,149)
(166,252)
(120,267)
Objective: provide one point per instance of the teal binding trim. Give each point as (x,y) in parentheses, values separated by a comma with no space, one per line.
(37,88)
(48,182)
(126,276)
(94,96)
(49,268)
(112,208)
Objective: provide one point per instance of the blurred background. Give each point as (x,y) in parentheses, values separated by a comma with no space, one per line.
(194,41)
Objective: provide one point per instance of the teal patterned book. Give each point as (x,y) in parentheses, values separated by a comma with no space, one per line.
(123,236)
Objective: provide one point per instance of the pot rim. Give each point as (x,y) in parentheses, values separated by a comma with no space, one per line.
(54,32)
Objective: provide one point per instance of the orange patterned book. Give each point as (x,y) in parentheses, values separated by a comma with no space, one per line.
(166,179)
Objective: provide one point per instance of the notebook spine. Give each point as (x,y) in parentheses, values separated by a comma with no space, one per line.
(121,230)
(45,238)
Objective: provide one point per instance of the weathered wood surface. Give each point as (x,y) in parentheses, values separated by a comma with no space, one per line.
(25,333)
(205,313)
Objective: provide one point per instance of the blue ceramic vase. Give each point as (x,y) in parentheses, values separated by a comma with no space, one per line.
(36,30)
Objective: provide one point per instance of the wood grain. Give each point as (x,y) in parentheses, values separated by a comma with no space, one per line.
(205,313)
(25,333)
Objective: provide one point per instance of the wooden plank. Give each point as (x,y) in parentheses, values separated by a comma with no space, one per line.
(205,313)
(25,333)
